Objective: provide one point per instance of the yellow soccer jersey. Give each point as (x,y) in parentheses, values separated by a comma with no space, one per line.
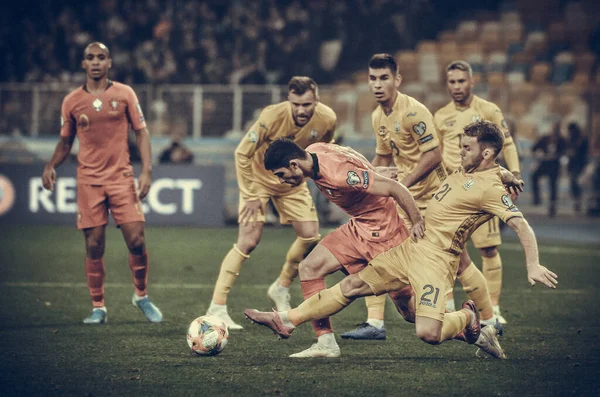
(451,120)
(406,134)
(274,122)
(462,204)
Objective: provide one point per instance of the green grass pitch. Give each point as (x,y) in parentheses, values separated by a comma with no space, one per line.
(551,340)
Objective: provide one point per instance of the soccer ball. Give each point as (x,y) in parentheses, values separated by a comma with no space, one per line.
(207,336)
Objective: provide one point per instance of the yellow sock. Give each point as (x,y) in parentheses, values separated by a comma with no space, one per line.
(492,271)
(375,306)
(299,249)
(476,288)
(454,323)
(230,269)
(325,303)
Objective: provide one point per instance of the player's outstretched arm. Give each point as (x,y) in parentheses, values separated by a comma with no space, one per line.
(386,187)
(145,180)
(62,150)
(535,271)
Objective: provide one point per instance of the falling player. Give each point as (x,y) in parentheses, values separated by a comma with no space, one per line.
(450,120)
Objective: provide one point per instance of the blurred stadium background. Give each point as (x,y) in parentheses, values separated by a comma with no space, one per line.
(205,69)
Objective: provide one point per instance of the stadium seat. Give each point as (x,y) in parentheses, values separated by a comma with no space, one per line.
(563,68)
(496,62)
(466,31)
(539,73)
(495,79)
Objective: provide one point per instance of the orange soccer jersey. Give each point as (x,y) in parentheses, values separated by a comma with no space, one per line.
(101,123)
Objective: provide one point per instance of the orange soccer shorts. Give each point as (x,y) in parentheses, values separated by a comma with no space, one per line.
(353,251)
(94,201)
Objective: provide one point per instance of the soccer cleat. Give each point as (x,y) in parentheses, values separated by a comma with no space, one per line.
(98,316)
(473,328)
(498,315)
(493,322)
(150,311)
(319,350)
(280,296)
(488,342)
(365,331)
(270,320)
(222,315)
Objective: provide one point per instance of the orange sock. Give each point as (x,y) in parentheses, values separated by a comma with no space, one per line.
(309,288)
(139,270)
(94,272)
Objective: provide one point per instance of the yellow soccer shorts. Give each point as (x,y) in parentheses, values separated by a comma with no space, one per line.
(427,268)
(488,234)
(292,204)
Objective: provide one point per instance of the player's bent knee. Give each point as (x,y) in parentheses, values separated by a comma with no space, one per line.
(353,286)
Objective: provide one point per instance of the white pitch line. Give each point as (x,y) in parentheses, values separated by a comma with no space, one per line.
(538,288)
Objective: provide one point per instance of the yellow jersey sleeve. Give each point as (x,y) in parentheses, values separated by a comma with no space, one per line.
(496,201)
(419,122)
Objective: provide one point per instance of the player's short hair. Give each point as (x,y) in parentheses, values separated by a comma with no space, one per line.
(487,133)
(102,46)
(384,61)
(300,84)
(280,152)
(460,65)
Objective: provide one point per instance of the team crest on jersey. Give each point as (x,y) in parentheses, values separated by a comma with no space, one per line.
(253,136)
(353,178)
(469,184)
(504,124)
(397,127)
(83,124)
(475,118)
(381,131)
(97,104)
(411,114)
(313,134)
(62,121)
(420,128)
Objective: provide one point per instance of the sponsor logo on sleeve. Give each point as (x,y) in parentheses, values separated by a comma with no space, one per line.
(419,128)
(365,179)
(504,124)
(425,139)
(353,178)
(411,114)
(507,201)
(62,121)
(253,136)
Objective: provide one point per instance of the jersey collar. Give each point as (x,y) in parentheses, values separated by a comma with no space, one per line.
(108,85)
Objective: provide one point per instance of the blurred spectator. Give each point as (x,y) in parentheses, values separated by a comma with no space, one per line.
(547,151)
(177,152)
(578,157)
